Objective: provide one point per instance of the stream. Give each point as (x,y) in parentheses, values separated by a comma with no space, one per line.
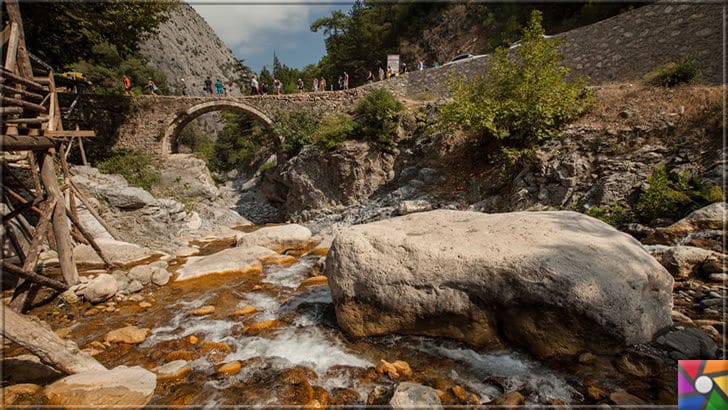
(303,341)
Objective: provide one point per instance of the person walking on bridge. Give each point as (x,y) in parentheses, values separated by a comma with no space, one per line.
(127,84)
(315,85)
(254,86)
(218,86)
(322,84)
(381,74)
(346,80)
(208,86)
(370,77)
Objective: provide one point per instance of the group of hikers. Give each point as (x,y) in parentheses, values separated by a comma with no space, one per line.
(262,88)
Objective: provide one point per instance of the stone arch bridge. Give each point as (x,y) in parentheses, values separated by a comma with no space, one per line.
(151,124)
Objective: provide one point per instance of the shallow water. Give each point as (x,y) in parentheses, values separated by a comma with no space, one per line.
(308,338)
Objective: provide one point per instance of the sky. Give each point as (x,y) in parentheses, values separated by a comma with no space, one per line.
(254,29)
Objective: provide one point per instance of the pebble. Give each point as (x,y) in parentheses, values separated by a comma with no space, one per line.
(145,304)
(194,340)
(711,331)
(715,294)
(711,312)
(205,310)
(713,302)
(229,368)
(678,317)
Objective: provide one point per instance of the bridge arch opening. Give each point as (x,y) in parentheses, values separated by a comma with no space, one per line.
(177,122)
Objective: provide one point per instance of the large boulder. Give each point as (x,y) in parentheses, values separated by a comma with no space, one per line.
(235,260)
(131,387)
(685,261)
(188,176)
(279,238)
(553,282)
(345,176)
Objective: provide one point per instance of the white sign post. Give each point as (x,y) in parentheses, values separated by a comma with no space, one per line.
(393,63)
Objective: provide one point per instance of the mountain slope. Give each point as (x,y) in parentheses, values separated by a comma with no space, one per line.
(187,47)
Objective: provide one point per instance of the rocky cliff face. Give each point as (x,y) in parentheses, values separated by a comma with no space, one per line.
(187,47)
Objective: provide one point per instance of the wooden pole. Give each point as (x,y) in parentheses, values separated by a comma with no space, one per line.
(62,354)
(12,49)
(83,152)
(34,172)
(61,230)
(13,236)
(39,279)
(24,67)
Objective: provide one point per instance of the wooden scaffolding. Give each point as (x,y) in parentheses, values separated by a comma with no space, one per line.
(38,206)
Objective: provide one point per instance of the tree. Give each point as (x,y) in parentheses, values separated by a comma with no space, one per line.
(523,98)
(62,33)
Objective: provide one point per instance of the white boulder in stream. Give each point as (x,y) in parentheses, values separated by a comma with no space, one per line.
(234,260)
(122,254)
(555,283)
(279,238)
(121,386)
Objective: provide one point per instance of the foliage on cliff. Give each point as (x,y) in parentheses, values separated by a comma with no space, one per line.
(524,98)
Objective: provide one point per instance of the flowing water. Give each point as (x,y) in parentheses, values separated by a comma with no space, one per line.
(305,340)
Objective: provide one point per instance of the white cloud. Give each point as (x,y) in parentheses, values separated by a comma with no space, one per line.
(241,26)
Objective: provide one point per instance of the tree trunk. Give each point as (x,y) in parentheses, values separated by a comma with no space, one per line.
(63,355)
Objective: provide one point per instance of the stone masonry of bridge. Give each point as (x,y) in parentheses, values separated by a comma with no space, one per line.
(622,48)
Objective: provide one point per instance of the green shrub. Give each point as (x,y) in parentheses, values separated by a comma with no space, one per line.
(668,199)
(296,129)
(614,215)
(523,99)
(669,75)
(425,96)
(201,143)
(379,111)
(237,142)
(332,130)
(139,169)
(266,166)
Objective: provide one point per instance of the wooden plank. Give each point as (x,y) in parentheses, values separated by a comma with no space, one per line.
(69,133)
(5,35)
(11,90)
(24,104)
(12,50)
(29,332)
(10,110)
(30,121)
(9,76)
(25,143)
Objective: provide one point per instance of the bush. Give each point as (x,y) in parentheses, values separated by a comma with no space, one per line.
(139,169)
(379,111)
(238,142)
(614,215)
(333,130)
(668,199)
(669,75)
(201,143)
(521,100)
(296,129)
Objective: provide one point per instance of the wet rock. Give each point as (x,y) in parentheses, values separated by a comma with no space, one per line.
(710,217)
(235,260)
(229,369)
(70,297)
(100,288)
(160,276)
(313,405)
(14,394)
(142,273)
(27,368)
(181,355)
(145,305)
(173,370)
(194,340)
(680,318)
(212,346)
(687,344)
(622,398)
(247,310)
(128,334)
(123,254)
(260,327)
(278,260)
(640,363)
(127,386)
(379,396)
(278,238)
(344,397)
(412,395)
(321,395)
(297,389)
(437,263)
(684,261)
(134,286)
(510,399)
(410,207)
(202,311)
(315,281)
